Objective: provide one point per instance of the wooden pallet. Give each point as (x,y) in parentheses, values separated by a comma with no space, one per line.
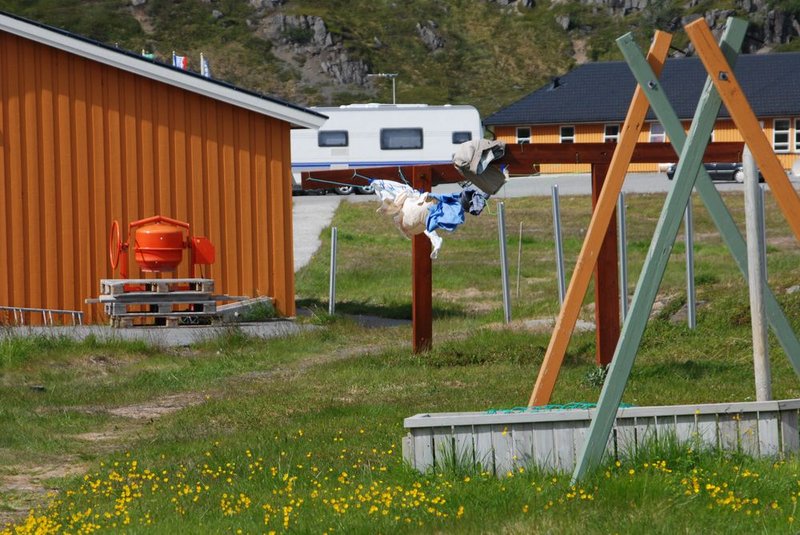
(168,301)
(110,287)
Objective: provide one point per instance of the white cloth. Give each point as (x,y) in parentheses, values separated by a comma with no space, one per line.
(472,159)
(408,208)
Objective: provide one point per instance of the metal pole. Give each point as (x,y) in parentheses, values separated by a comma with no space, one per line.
(394,94)
(691,294)
(519,257)
(755,274)
(763,229)
(332,280)
(623,255)
(501,224)
(562,289)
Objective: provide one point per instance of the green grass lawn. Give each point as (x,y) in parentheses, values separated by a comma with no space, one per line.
(302,434)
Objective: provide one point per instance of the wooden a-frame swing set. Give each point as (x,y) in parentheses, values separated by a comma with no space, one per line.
(721,86)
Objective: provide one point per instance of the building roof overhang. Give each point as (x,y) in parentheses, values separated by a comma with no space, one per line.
(60,39)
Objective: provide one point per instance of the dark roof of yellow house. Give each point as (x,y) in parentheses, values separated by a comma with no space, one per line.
(601,92)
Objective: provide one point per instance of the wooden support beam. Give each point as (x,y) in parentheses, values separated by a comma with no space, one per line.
(689,166)
(606,279)
(595,234)
(520,158)
(742,114)
(422,275)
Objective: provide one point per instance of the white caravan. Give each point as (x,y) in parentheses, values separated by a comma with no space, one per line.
(375,135)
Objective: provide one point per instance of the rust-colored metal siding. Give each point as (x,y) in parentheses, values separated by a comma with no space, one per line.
(83,143)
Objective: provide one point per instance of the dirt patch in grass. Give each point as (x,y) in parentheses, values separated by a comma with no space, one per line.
(472,299)
(23,487)
(540,325)
(156,408)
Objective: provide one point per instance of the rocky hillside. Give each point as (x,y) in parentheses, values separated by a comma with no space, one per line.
(484,52)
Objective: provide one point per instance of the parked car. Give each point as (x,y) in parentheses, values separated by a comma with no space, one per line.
(719,171)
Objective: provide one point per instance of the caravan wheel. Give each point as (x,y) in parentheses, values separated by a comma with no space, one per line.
(344,190)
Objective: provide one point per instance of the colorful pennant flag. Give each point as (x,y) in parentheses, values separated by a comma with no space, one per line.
(182,62)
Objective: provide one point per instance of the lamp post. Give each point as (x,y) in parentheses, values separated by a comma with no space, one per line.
(393,76)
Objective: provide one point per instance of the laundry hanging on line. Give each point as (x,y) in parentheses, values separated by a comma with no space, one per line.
(473,200)
(409,210)
(472,160)
(415,212)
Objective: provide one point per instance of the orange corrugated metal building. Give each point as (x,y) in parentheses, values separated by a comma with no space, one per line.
(89,134)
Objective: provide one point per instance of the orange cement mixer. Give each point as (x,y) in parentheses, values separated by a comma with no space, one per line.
(158,244)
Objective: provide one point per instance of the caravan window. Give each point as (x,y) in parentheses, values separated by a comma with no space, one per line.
(461,137)
(401,138)
(332,138)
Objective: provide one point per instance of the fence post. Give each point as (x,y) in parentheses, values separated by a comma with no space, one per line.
(691,295)
(332,279)
(562,289)
(519,257)
(501,229)
(623,255)
(756,280)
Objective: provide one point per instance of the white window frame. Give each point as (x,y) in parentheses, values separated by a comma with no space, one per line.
(657,137)
(797,135)
(783,146)
(524,139)
(566,139)
(611,138)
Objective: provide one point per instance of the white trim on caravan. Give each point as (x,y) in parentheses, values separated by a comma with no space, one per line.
(375,135)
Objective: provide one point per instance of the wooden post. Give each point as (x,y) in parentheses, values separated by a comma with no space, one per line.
(595,234)
(690,165)
(757,278)
(421,275)
(606,280)
(730,91)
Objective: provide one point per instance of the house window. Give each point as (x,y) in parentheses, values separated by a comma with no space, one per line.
(567,134)
(780,135)
(461,137)
(401,138)
(332,138)
(611,133)
(657,134)
(797,135)
(523,135)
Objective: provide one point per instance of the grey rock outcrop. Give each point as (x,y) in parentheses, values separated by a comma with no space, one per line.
(427,33)
(306,40)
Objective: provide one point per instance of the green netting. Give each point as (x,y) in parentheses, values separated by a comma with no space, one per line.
(574,405)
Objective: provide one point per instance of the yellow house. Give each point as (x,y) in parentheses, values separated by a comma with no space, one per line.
(588,105)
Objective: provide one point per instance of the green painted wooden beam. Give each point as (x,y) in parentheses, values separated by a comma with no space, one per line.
(689,166)
(711,197)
